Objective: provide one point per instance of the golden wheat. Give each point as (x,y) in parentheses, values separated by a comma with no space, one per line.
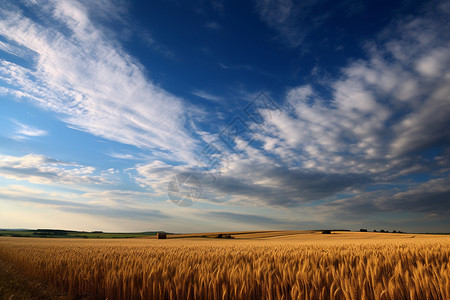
(237,269)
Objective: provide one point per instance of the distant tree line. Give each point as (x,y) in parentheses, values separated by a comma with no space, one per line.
(328,231)
(381,230)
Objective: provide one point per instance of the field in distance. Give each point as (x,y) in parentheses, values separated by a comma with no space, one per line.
(298,235)
(253,265)
(55,233)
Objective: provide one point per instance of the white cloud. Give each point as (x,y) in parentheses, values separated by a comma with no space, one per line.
(157,175)
(91,81)
(40,169)
(15,50)
(116,198)
(122,156)
(24,131)
(433,64)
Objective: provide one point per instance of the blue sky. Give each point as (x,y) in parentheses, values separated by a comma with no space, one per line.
(290,114)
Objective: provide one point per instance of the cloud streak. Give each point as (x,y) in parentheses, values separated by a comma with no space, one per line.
(40,169)
(90,80)
(64,202)
(207,96)
(24,131)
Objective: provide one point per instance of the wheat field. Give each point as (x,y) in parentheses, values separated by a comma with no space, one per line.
(293,266)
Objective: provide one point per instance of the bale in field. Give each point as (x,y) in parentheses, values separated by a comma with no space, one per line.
(326,232)
(161,236)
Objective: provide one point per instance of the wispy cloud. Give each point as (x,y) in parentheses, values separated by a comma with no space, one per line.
(259,221)
(16,50)
(213,25)
(91,81)
(151,42)
(44,170)
(122,156)
(239,217)
(428,198)
(24,131)
(245,67)
(157,175)
(88,206)
(236,67)
(207,96)
(293,22)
